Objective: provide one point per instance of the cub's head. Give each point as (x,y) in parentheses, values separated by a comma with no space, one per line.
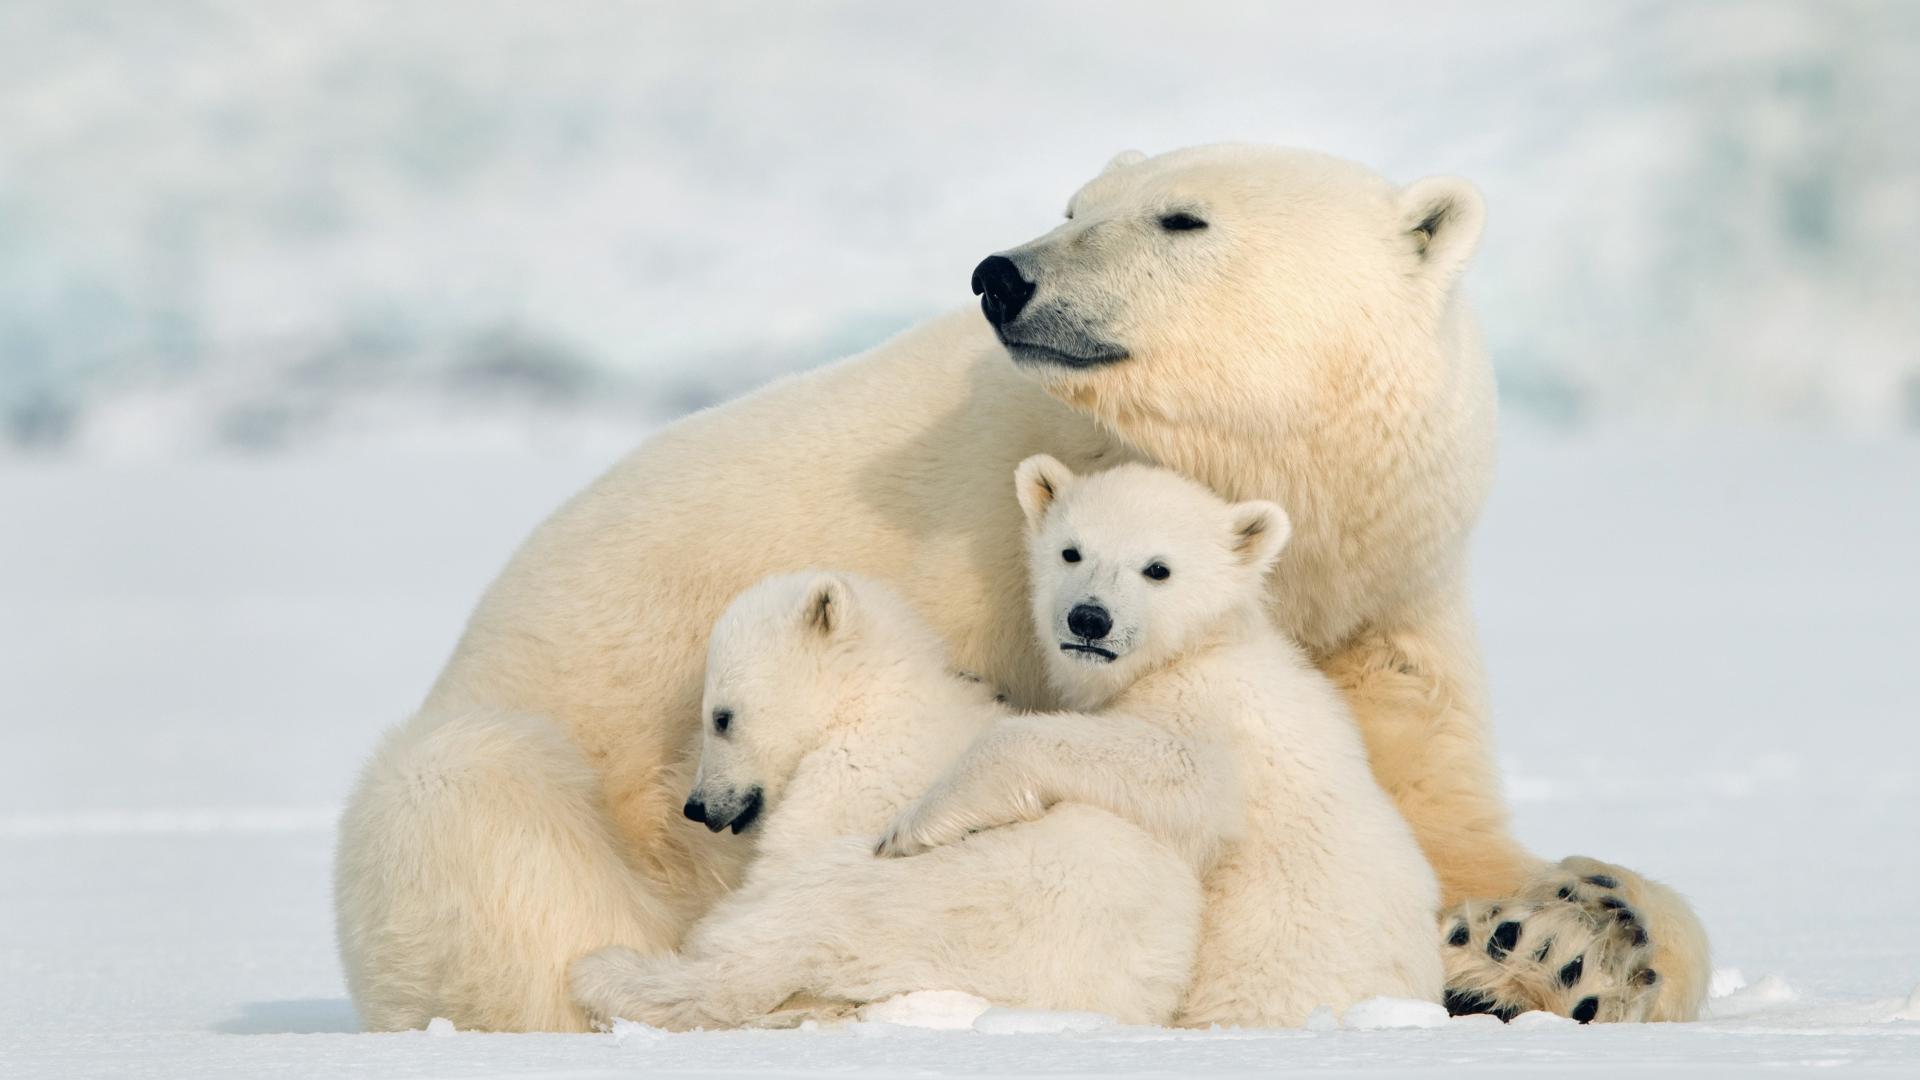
(1230,286)
(1129,566)
(782,661)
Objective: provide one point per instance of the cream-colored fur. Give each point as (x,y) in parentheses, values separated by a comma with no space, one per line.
(1321,896)
(839,707)
(1307,346)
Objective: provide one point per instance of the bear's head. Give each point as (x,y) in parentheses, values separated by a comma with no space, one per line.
(786,663)
(1242,291)
(1133,566)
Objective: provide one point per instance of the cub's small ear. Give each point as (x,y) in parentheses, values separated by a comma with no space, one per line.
(1123,159)
(826,608)
(1442,217)
(1038,481)
(1259,530)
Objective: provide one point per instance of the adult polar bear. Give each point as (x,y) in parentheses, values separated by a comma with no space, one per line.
(1274,323)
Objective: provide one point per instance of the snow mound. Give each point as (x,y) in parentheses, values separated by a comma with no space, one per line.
(1540,1018)
(1744,999)
(627,1031)
(939,1010)
(440,1027)
(1377,1014)
(1725,982)
(1912,1010)
(1002,1021)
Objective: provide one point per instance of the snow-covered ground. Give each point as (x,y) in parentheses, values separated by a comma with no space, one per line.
(1702,650)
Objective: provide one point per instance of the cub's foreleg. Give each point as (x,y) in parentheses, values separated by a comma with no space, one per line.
(1179,790)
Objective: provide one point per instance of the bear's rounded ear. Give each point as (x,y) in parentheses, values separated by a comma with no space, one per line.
(1258,531)
(1038,481)
(1441,217)
(826,607)
(1123,159)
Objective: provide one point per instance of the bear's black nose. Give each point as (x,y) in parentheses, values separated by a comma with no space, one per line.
(695,809)
(1090,621)
(1001,289)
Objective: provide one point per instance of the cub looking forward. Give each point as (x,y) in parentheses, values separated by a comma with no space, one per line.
(1148,592)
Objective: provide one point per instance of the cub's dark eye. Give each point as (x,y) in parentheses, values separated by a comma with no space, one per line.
(1157,571)
(1071,554)
(1181,222)
(722,718)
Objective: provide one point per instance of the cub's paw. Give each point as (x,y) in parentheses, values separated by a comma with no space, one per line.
(911,832)
(1583,956)
(949,812)
(601,982)
(658,990)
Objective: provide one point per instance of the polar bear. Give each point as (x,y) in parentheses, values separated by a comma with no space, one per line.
(829,705)
(1149,588)
(1273,323)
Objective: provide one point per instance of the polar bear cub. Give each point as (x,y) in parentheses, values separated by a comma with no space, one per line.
(1147,591)
(828,706)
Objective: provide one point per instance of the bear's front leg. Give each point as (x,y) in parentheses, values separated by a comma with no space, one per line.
(1416,694)
(1585,939)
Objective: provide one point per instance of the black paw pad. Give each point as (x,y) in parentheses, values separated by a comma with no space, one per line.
(1474,1003)
(1588,1008)
(1459,936)
(1602,880)
(1645,977)
(1572,972)
(1505,937)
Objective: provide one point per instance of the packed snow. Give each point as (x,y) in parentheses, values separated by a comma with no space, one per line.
(1701,651)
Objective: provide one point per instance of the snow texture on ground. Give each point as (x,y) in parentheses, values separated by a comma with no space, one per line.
(1702,652)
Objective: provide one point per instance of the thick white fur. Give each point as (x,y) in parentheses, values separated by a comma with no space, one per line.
(840,707)
(1308,347)
(1322,897)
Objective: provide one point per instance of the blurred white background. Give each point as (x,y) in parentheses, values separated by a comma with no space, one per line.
(259,225)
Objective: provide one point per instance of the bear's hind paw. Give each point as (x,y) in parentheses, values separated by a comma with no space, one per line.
(1584,955)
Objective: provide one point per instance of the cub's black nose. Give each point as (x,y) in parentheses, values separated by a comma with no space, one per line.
(1001,289)
(695,809)
(1090,621)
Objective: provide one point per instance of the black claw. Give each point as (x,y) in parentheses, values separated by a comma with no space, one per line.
(1588,1008)
(1602,880)
(1574,969)
(1612,903)
(1459,935)
(1645,977)
(1639,934)
(1625,916)
(1540,954)
(1505,937)
(1565,893)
